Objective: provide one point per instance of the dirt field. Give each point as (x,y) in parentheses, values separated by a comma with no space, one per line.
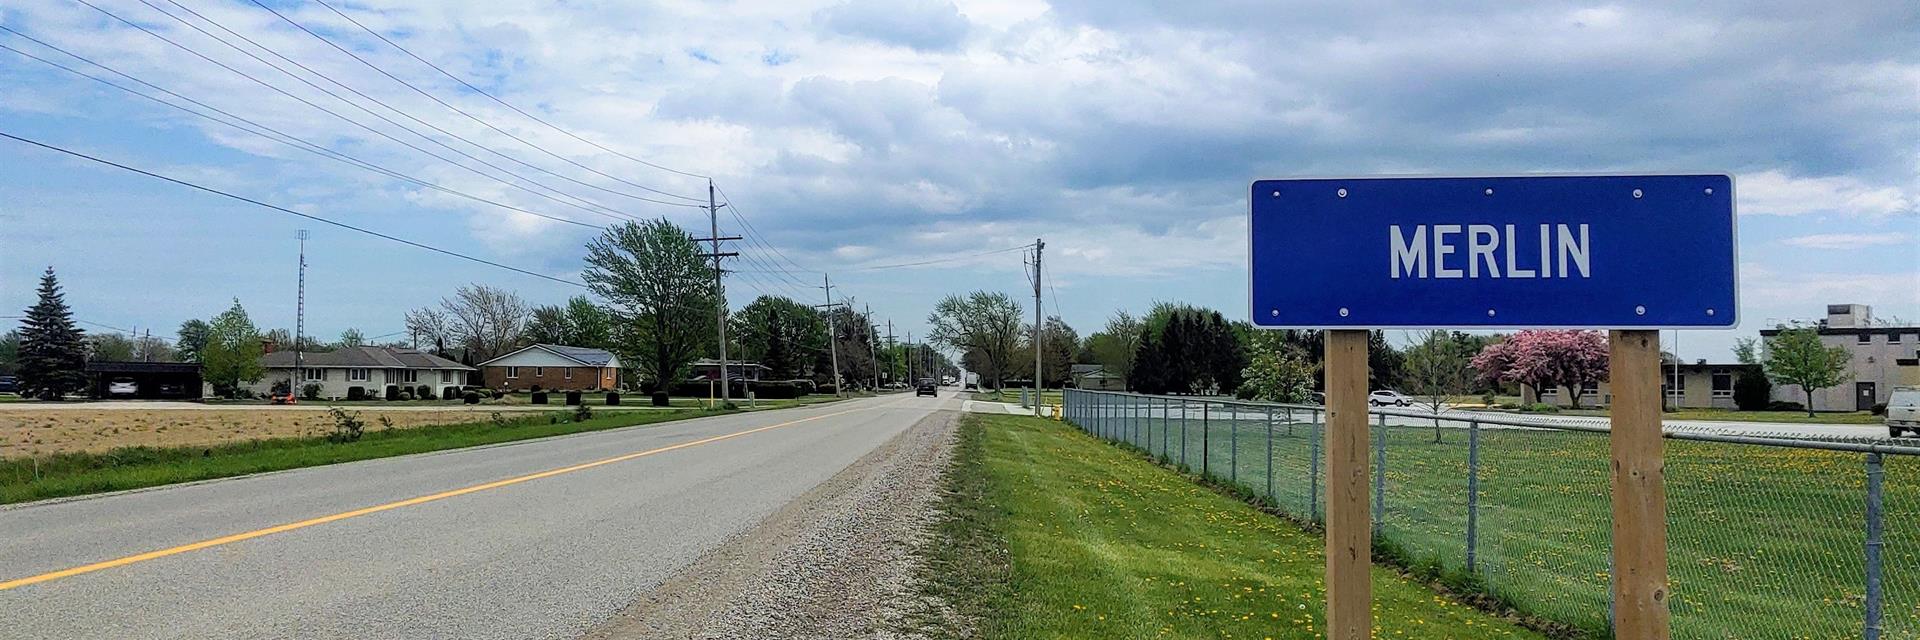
(46,431)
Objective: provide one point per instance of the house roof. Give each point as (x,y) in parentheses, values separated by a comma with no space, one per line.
(105,366)
(583,355)
(710,362)
(364,357)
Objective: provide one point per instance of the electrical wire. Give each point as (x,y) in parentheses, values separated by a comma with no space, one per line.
(923,263)
(455,109)
(276,134)
(285,210)
(496,99)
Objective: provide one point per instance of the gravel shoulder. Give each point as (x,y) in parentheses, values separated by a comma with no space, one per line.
(839,562)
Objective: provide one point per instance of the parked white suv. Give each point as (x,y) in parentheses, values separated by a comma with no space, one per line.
(123,387)
(1388,397)
(1903,411)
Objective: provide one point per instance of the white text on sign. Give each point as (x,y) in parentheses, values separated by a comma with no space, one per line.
(1563,251)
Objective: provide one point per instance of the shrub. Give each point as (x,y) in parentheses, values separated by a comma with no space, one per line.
(347,427)
(499,420)
(423,392)
(311,391)
(805,386)
(406,394)
(1541,407)
(535,389)
(386,423)
(1786,406)
(356,393)
(827,389)
(451,393)
(613,398)
(471,397)
(774,390)
(1752,390)
(659,398)
(393,392)
(582,413)
(498,394)
(573,398)
(539,397)
(1510,406)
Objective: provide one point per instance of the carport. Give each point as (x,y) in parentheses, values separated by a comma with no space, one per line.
(156,380)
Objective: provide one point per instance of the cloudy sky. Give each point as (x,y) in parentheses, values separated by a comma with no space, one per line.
(860,134)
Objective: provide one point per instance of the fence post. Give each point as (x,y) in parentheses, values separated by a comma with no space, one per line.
(1473,492)
(1206,433)
(1166,426)
(1313,469)
(1233,442)
(1270,457)
(1875,529)
(1183,434)
(1380,478)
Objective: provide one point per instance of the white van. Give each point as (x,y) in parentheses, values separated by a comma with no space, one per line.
(1903,411)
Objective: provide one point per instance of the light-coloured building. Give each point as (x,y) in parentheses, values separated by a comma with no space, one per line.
(1699,385)
(1885,355)
(372,369)
(1096,377)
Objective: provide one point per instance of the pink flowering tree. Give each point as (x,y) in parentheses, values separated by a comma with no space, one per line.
(1545,358)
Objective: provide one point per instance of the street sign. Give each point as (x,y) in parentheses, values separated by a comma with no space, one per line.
(1614,252)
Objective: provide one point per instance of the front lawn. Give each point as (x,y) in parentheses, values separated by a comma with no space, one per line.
(1047,533)
(1730,415)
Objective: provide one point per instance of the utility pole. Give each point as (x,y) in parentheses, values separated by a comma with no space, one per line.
(719,290)
(1038,246)
(299,321)
(893,354)
(873,353)
(833,334)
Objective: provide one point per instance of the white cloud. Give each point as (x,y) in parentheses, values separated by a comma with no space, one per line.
(1848,240)
(1775,193)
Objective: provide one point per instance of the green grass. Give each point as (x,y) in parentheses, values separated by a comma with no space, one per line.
(1049,396)
(71,474)
(1049,534)
(1764,542)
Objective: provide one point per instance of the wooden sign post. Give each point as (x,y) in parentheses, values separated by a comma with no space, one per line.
(1639,487)
(1349,531)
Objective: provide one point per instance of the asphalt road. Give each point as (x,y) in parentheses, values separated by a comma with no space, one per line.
(505,556)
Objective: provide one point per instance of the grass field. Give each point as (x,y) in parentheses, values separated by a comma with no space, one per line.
(1050,534)
(1791,417)
(69,474)
(1764,542)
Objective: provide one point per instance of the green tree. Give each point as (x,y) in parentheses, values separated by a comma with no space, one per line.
(579,323)
(53,350)
(351,338)
(1437,367)
(1276,371)
(231,357)
(661,291)
(109,347)
(1112,347)
(9,353)
(1796,356)
(191,341)
(780,333)
(981,324)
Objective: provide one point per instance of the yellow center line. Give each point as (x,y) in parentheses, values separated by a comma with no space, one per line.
(291,526)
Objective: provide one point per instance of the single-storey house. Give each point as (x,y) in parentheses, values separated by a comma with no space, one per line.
(1096,377)
(553,367)
(709,369)
(372,369)
(1699,385)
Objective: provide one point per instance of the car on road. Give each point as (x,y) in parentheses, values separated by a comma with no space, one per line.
(122,387)
(1903,411)
(1388,398)
(926,388)
(9,384)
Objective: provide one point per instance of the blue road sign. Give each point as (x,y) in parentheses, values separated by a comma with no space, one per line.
(1617,252)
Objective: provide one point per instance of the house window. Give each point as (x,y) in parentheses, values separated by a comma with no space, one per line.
(513,372)
(1893,338)
(409,375)
(539,372)
(1549,391)
(1676,384)
(356,375)
(446,377)
(1722,383)
(1864,338)
(569,373)
(1590,389)
(316,374)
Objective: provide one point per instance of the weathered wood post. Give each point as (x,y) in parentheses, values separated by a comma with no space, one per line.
(1639,487)
(1349,534)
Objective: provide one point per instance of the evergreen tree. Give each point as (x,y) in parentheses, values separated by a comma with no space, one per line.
(53,351)
(1149,372)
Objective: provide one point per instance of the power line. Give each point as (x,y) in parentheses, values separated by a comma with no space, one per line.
(503,103)
(923,263)
(277,135)
(285,210)
(455,109)
(596,208)
(388,107)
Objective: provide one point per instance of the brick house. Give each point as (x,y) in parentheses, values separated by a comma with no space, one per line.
(553,368)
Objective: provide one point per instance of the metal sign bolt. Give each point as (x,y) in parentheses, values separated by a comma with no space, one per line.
(1709,312)
(1639,310)
(1342,193)
(1489,313)
(1343,312)
(1489,192)
(1276,313)
(1709,190)
(1276,194)
(1636,193)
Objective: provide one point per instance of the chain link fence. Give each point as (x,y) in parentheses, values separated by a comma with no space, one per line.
(1768,537)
